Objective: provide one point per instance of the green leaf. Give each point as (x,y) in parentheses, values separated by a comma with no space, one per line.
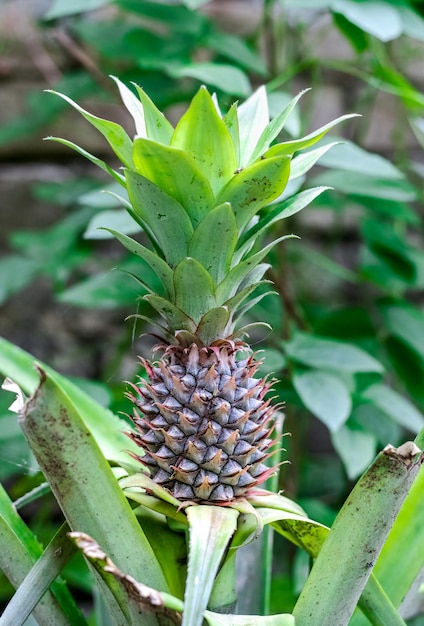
(280,211)
(157,126)
(175,317)
(213,325)
(211,529)
(60,8)
(166,219)
(105,426)
(203,134)
(290,147)
(227,78)
(408,325)
(158,265)
(377,18)
(275,126)
(104,222)
(177,174)
(194,289)
(15,273)
(133,106)
(253,118)
(355,447)
(352,158)
(364,520)
(214,241)
(215,619)
(331,354)
(325,396)
(302,163)
(116,136)
(20,550)
(103,166)
(398,408)
(83,482)
(360,185)
(38,580)
(236,49)
(254,187)
(392,249)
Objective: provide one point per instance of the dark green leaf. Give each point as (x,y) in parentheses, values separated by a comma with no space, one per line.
(15,273)
(194,289)
(356,448)
(236,49)
(408,325)
(395,406)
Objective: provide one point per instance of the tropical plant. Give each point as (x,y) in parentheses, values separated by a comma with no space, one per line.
(205,195)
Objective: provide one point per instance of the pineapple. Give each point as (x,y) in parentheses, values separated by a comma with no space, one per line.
(205,194)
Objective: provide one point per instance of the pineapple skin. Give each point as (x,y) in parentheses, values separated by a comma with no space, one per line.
(204,423)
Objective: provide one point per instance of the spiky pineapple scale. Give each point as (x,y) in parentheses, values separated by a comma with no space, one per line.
(204,423)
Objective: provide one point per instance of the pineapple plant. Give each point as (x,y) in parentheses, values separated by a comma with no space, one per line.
(205,193)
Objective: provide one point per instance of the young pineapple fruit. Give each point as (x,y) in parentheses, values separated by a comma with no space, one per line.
(205,194)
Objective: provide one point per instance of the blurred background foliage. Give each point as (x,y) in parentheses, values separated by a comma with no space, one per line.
(348,320)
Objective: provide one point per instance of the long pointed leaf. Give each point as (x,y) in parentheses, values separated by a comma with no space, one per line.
(104,425)
(253,118)
(157,126)
(290,147)
(175,317)
(211,529)
(116,136)
(83,482)
(49,565)
(133,105)
(194,289)
(158,265)
(370,510)
(302,163)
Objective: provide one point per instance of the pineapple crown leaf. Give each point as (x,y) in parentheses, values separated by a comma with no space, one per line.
(205,194)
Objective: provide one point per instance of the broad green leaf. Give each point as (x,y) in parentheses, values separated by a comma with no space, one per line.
(214,241)
(280,211)
(83,482)
(348,156)
(158,265)
(390,247)
(194,289)
(213,325)
(133,106)
(37,582)
(253,118)
(361,185)
(331,354)
(157,126)
(175,317)
(370,510)
(167,220)
(116,136)
(290,147)
(211,529)
(177,174)
(105,427)
(302,163)
(102,224)
(376,17)
(60,8)
(275,126)
(408,325)
(400,409)
(355,447)
(203,134)
(235,48)
(254,187)
(227,78)
(20,550)
(15,273)
(325,396)
(103,166)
